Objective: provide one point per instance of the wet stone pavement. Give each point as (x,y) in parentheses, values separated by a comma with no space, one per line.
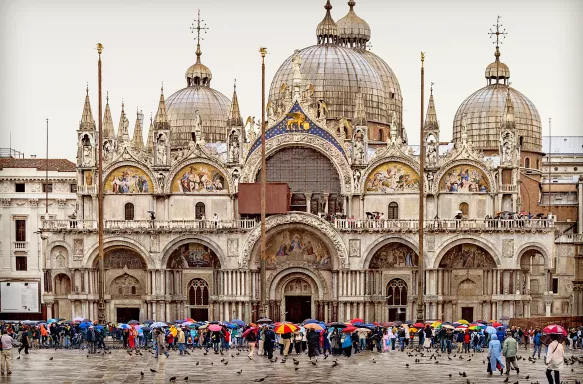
(75,366)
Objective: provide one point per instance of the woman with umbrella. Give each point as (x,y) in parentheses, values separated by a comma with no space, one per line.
(250,336)
(216,335)
(555,359)
(347,342)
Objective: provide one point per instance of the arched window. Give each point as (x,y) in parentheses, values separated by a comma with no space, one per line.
(381,138)
(465,208)
(199,211)
(397,293)
(526,162)
(198,292)
(393,213)
(537,164)
(133,290)
(129,211)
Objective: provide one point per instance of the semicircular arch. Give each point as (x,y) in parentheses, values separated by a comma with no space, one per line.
(322,146)
(194,171)
(464,176)
(407,240)
(282,276)
(179,241)
(531,246)
(129,177)
(394,167)
(93,251)
(466,239)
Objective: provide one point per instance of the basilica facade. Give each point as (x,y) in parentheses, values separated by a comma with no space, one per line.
(177,246)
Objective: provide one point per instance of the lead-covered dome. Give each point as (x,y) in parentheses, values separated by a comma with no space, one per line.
(353,31)
(212,106)
(337,75)
(484,112)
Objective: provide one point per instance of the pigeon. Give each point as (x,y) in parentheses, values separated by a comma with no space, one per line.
(506,380)
(18,358)
(464,374)
(325,357)
(240,371)
(527,376)
(259,380)
(50,358)
(186,378)
(153,370)
(314,363)
(335,363)
(206,353)
(142,373)
(129,352)
(198,362)
(449,358)
(222,360)
(296,362)
(407,365)
(226,362)
(212,363)
(469,359)
(436,361)
(374,361)
(173,378)
(450,375)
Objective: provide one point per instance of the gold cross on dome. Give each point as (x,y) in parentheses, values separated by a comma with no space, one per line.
(196,26)
(498,33)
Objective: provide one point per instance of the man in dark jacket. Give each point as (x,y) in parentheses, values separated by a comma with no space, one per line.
(269,342)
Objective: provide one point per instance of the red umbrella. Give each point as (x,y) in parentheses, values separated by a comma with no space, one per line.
(375,323)
(496,324)
(249,330)
(419,325)
(285,328)
(387,324)
(356,320)
(349,330)
(555,329)
(215,327)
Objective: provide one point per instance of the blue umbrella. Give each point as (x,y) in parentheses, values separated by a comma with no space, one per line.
(149,321)
(233,326)
(490,329)
(99,327)
(52,321)
(310,321)
(238,322)
(84,324)
(124,326)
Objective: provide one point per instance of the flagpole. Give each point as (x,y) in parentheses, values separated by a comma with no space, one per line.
(421,261)
(263,309)
(101,305)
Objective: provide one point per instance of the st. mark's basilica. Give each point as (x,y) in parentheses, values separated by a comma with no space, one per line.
(179,243)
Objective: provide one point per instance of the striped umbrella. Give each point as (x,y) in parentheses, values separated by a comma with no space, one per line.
(285,328)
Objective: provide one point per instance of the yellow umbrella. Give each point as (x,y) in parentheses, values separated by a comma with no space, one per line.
(412,330)
(464,322)
(436,324)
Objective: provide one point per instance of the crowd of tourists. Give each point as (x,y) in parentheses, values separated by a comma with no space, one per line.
(312,337)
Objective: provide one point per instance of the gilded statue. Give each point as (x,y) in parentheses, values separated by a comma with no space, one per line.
(298,119)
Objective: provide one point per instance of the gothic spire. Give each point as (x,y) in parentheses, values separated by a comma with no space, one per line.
(122,129)
(161,119)
(431,123)
(235,119)
(150,142)
(108,129)
(138,139)
(509,112)
(87,123)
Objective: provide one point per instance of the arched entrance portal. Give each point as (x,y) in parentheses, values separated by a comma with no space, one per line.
(298,300)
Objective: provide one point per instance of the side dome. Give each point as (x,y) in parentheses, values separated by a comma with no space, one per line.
(337,75)
(353,31)
(213,108)
(484,112)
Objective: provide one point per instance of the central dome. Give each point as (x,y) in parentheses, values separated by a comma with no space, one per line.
(337,75)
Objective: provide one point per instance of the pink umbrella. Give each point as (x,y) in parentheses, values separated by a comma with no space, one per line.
(215,327)
(555,329)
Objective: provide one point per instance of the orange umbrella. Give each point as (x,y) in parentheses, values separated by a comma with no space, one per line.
(314,326)
(285,328)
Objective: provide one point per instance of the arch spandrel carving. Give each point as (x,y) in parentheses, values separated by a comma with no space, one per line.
(308,220)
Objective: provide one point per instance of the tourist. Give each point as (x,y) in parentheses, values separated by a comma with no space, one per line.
(161,344)
(269,342)
(460,342)
(181,339)
(91,339)
(313,342)
(554,360)
(25,337)
(7,343)
(509,350)
(386,341)
(326,346)
(494,350)
(537,342)
(261,349)
(251,338)
(401,336)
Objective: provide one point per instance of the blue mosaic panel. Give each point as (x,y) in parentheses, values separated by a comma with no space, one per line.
(281,129)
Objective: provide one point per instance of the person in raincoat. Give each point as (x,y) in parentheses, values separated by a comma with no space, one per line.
(554,360)
(326,342)
(313,343)
(494,350)
(347,345)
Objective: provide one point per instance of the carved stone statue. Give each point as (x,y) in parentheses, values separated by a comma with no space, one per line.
(356,175)
(296,64)
(161,150)
(464,132)
(160,178)
(431,150)
(394,128)
(236,175)
(234,148)
(358,147)
(507,144)
(87,155)
(322,110)
(271,116)
(197,129)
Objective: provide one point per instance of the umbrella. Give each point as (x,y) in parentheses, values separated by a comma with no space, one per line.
(413,330)
(189,319)
(146,329)
(398,323)
(187,324)
(555,330)
(500,328)
(84,324)
(264,320)
(215,327)
(490,329)
(132,322)
(357,320)
(463,322)
(149,321)
(52,321)
(159,324)
(285,328)
(547,339)
(419,325)
(123,326)
(310,321)
(337,325)
(248,330)
(435,324)
(363,330)
(79,319)
(474,327)
(461,328)
(409,322)
(496,324)
(204,326)
(314,326)
(447,326)
(62,319)
(349,330)
(388,324)
(238,322)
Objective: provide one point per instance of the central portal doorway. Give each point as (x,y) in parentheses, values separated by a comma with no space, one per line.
(298,308)
(126,314)
(468,313)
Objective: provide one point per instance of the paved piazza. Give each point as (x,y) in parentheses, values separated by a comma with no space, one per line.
(118,367)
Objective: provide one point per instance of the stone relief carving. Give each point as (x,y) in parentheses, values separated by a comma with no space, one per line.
(354,248)
(5,203)
(33,187)
(232,247)
(33,202)
(6,186)
(508,248)
(154,243)
(77,249)
(309,220)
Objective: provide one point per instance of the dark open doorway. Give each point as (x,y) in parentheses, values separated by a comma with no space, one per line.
(126,314)
(468,314)
(199,314)
(298,308)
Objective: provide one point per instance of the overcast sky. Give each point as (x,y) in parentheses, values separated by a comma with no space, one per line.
(48,55)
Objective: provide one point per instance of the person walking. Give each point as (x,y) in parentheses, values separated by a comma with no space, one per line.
(509,350)
(555,360)
(25,337)
(268,343)
(260,350)
(161,344)
(286,341)
(251,338)
(181,339)
(537,342)
(346,345)
(494,349)
(7,343)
